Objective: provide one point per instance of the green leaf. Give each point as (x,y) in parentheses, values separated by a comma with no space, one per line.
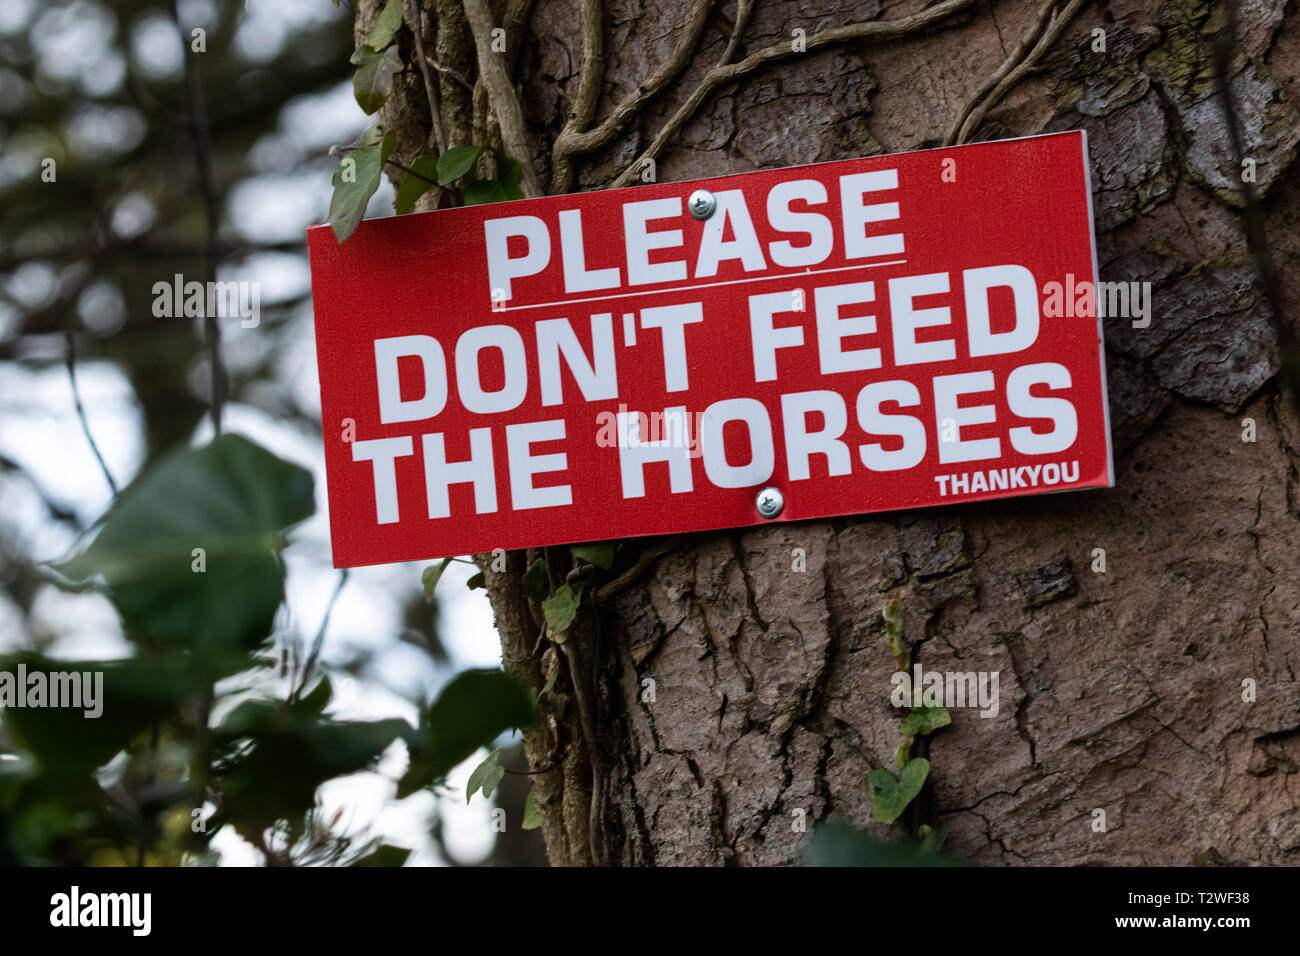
(385,855)
(476,581)
(924,720)
(317,699)
(457,162)
(486,776)
(472,711)
(432,574)
(548,688)
(232,500)
(532,815)
(483,191)
(931,839)
(417,182)
(287,756)
(502,189)
(355,181)
(890,795)
(560,610)
(838,844)
(601,554)
(129,696)
(373,81)
(536,581)
(386,26)
(509,174)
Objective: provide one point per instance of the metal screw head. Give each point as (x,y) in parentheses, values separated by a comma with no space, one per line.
(701,204)
(770,502)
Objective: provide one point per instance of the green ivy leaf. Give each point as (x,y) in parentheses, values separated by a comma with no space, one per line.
(502,189)
(509,174)
(601,554)
(532,815)
(483,191)
(890,795)
(931,839)
(318,698)
(560,610)
(355,181)
(536,582)
(432,574)
(373,81)
(838,844)
(476,581)
(472,711)
(386,26)
(486,776)
(457,162)
(417,182)
(231,499)
(924,720)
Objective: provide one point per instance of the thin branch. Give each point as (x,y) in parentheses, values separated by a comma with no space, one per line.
(533,773)
(583,110)
(723,74)
(976,113)
(571,143)
(415,22)
(644,562)
(410,172)
(57,511)
(744,10)
(456,75)
(1017,56)
(70,360)
(514,21)
(207,186)
(495,74)
(453,57)
(319,641)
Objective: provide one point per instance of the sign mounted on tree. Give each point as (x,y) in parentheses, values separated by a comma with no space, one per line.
(849,337)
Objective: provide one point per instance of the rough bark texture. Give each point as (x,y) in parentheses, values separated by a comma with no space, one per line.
(1120,690)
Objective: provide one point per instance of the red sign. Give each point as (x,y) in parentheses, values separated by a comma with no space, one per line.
(849,337)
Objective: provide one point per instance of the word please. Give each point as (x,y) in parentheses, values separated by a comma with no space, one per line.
(532,236)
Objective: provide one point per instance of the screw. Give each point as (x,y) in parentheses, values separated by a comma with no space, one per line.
(701,204)
(770,502)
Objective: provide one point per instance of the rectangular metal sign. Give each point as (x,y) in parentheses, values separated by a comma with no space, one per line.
(848,337)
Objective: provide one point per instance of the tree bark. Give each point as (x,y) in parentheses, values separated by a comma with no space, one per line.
(1122,689)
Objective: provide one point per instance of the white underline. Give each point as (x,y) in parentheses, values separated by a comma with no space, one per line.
(703,285)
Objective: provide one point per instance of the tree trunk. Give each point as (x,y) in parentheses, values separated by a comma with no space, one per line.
(1125,690)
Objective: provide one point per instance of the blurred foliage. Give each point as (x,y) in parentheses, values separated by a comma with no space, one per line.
(151,776)
(214,720)
(126,208)
(839,844)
